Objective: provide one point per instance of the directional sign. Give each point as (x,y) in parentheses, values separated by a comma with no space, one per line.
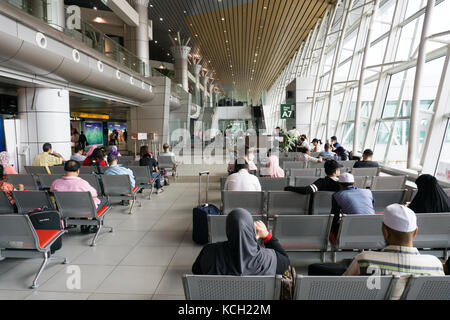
(287,111)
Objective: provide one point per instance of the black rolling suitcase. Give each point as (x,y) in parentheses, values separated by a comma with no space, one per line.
(200,214)
(47,220)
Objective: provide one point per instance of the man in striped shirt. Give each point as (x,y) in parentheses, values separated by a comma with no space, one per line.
(399,257)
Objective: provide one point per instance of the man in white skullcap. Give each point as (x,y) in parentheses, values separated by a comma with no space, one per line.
(399,229)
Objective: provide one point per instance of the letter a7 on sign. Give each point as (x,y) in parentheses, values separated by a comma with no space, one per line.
(287,111)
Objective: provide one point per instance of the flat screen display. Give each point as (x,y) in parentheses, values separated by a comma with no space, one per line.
(94,133)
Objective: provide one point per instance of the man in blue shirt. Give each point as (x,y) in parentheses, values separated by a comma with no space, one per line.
(334,143)
(116,169)
(350,200)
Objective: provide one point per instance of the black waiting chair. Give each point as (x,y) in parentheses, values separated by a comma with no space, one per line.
(78,208)
(19,239)
(27,201)
(27,180)
(143,178)
(5,205)
(119,187)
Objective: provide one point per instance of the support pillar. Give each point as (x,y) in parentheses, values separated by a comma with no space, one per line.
(180,53)
(153,117)
(197,68)
(44,116)
(56,14)
(205,91)
(136,38)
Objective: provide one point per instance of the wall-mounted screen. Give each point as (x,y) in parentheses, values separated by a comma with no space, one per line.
(94,132)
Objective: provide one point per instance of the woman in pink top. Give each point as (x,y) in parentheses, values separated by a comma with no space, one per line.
(4,161)
(273,168)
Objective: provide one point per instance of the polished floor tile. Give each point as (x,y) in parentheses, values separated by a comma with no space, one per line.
(132,280)
(144,258)
(149,256)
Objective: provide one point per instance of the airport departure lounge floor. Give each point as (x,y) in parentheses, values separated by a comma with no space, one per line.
(144,258)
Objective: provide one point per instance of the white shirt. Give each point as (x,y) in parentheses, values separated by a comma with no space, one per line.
(305,144)
(306,158)
(242,181)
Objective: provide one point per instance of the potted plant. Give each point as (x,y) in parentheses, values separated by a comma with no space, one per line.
(289,142)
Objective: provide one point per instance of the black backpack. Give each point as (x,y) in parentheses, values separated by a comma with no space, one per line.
(45,219)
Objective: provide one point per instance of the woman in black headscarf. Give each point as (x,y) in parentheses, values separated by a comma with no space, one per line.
(241,255)
(430,197)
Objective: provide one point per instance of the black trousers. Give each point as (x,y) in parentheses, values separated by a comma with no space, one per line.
(329,269)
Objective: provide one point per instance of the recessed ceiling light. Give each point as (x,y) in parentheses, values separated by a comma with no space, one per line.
(161,19)
(95,8)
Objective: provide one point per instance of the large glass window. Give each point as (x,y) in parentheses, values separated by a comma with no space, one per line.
(443,167)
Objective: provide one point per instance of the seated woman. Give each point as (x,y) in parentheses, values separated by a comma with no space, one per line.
(8,187)
(114,152)
(4,161)
(430,197)
(241,255)
(95,159)
(316,143)
(273,168)
(147,160)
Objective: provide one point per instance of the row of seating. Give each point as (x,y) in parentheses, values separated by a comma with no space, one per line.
(308,236)
(309,164)
(164,163)
(111,186)
(290,203)
(313,288)
(142,175)
(375,183)
(293,169)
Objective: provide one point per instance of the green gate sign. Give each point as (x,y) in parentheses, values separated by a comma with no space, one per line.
(287,111)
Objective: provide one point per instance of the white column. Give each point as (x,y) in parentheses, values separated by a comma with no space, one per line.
(44,117)
(180,53)
(56,14)
(197,68)
(211,92)
(142,45)
(413,156)
(205,91)
(154,116)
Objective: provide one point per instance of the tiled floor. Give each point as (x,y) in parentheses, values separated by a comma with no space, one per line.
(144,258)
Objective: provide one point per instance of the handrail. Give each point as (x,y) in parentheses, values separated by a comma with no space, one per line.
(92,37)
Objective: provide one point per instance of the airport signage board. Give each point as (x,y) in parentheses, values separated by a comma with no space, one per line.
(287,111)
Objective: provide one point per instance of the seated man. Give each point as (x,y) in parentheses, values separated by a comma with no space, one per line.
(48,158)
(305,156)
(367,160)
(329,183)
(350,200)
(168,153)
(334,143)
(399,257)
(78,155)
(72,183)
(242,180)
(117,169)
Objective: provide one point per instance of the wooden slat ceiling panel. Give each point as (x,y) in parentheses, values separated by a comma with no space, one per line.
(272,29)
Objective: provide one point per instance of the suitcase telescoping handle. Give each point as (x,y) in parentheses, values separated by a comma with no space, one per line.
(204,173)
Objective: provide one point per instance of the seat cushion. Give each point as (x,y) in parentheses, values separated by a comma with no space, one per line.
(46,236)
(101,211)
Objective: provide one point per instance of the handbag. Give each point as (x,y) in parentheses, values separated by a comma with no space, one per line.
(288,280)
